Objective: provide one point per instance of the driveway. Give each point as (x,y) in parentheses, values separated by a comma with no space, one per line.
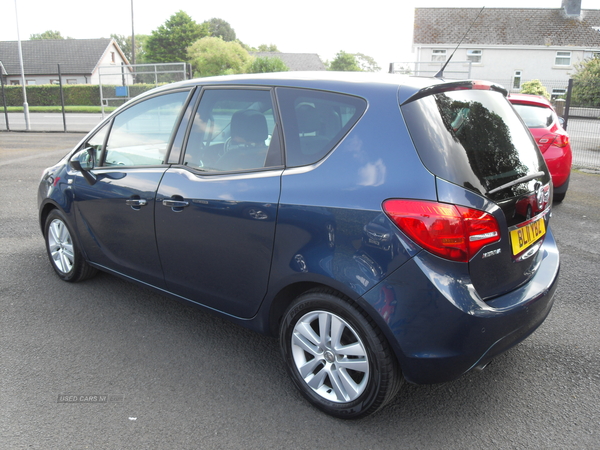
(110,365)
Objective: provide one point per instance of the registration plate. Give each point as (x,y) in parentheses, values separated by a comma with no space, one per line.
(525,236)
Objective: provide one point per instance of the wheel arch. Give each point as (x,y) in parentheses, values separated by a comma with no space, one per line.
(282,300)
(45,210)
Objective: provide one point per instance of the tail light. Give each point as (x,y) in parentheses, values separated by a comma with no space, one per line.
(562,140)
(452,232)
(558,140)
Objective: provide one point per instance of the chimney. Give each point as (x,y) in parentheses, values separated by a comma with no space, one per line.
(572,8)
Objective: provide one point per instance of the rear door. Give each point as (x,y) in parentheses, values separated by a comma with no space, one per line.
(216,211)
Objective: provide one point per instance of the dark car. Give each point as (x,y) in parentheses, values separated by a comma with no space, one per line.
(553,141)
(373,222)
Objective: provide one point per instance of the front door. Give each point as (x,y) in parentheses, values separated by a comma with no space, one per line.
(115,215)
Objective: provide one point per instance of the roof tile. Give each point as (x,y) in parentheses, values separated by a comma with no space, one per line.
(506,26)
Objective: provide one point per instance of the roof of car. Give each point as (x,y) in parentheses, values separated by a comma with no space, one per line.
(352,83)
(310,78)
(529,99)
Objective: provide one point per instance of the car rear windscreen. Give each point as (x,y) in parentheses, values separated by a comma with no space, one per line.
(535,116)
(472,138)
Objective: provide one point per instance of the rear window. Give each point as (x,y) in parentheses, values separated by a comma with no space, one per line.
(315,121)
(472,138)
(535,116)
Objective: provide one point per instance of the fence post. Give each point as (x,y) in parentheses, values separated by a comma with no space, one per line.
(62,100)
(4,98)
(568,104)
(101,94)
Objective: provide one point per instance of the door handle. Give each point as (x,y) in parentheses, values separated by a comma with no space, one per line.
(136,202)
(175,203)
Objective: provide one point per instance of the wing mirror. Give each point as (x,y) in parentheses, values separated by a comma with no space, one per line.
(84,161)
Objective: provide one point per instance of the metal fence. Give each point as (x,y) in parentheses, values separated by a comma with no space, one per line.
(119,84)
(455,70)
(582,113)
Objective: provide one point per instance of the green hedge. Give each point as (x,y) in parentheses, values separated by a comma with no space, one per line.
(75,94)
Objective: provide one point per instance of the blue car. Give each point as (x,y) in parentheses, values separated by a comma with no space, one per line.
(370,221)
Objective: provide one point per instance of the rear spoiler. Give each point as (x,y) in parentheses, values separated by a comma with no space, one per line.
(456,86)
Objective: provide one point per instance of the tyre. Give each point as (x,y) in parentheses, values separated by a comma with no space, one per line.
(64,254)
(337,357)
(558,198)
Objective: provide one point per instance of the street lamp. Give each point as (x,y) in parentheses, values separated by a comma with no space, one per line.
(25,105)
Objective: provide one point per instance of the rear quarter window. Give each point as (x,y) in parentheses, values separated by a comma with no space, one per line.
(315,121)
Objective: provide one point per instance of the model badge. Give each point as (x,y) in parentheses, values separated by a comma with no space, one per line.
(492,253)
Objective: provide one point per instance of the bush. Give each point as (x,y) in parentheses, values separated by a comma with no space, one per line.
(75,94)
(586,85)
(49,95)
(535,87)
(267,64)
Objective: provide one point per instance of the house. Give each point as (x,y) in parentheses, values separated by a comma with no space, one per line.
(295,61)
(507,45)
(79,61)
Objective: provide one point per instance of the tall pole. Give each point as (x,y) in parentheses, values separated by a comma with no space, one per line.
(132,37)
(25,105)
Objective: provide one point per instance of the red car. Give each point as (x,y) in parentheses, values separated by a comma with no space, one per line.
(553,141)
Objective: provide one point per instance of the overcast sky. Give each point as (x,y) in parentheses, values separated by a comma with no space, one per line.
(381,29)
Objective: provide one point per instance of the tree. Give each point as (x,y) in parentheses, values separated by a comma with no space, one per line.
(267,64)
(213,56)
(47,35)
(534,87)
(169,42)
(366,63)
(586,83)
(220,28)
(267,48)
(124,43)
(345,62)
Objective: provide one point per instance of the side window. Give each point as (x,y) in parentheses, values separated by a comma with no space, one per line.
(140,135)
(474,56)
(315,121)
(233,129)
(97,141)
(438,55)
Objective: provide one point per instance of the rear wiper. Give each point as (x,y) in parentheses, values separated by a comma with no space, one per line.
(531,176)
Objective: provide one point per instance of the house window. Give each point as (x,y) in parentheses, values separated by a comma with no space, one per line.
(558,93)
(30,82)
(14,82)
(71,81)
(54,81)
(438,56)
(517,80)
(474,56)
(112,57)
(562,59)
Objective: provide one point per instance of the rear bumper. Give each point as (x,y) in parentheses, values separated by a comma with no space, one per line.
(440,329)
